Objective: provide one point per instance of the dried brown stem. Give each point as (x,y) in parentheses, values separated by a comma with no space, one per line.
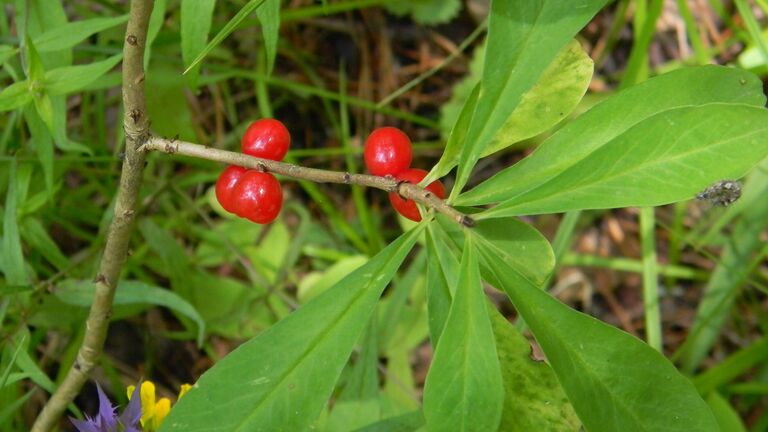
(406,190)
(136,124)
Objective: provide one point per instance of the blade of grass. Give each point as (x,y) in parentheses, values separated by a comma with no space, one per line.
(645,27)
(633,266)
(650,278)
(225,31)
(732,367)
(752,26)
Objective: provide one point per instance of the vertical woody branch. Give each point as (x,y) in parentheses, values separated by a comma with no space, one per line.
(136,124)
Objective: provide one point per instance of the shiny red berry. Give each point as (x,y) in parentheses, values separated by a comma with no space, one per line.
(266,138)
(408,208)
(225,184)
(257,197)
(387,151)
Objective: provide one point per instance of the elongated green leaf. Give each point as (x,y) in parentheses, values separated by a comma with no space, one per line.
(556,93)
(409,422)
(463,391)
(269,17)
(613,117)
(43,143)
(70,79)
(196,17)
(71,34)
(518,244)
(614,381)
(441,273)
(7,52)
(13,258)
(15,96)
(156,21)
(427,12)
(358,403)
(456,139)
(727,417)
(533,398)
(523,38)
(666,158)
(225,31)
(38,238)
(281,379)
(80,293)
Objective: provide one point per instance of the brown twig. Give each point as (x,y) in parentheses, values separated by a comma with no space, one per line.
(136,124)
(406,190)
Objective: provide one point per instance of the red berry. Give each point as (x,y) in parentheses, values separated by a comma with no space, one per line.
(266,138)
(408,208)
(224,185)
(257,197)
(387,151)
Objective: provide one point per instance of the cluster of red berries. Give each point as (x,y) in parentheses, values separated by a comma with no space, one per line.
(253,194)
(388,152)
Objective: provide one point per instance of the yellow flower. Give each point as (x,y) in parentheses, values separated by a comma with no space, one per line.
(153,411)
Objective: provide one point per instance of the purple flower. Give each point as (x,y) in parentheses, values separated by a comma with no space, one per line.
(107,419)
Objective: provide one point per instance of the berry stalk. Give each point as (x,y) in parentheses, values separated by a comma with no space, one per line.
(389,184)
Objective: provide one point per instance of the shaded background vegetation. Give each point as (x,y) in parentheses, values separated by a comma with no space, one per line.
(336,64)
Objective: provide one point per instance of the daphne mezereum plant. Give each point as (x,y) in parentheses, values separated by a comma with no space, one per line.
(656,142)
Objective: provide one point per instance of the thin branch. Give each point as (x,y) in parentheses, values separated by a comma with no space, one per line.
(406,190)
(136,124)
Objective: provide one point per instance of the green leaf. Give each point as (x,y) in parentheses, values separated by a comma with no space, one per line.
(38,239)
(456,139)
(225,31)
(41,139)
(69,79)
(269,17)
(727,417)
(71,34)
(196,17)
(80,293)
(7,52)
(156,21)
(534,399)
(166,104)
(555,95)
(518,244)
(426,12)
(315,283)
(287,389)
(523,39)
(666,158)
(358,404)
(409,422)
(614,380)
(15,96)
(463,390)
(441,274)
(613,117)
(13,258)
(557,92)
